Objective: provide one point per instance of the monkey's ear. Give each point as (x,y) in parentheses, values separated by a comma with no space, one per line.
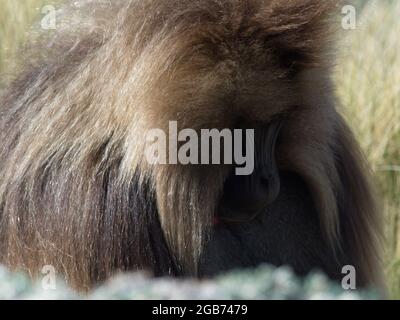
(300,32)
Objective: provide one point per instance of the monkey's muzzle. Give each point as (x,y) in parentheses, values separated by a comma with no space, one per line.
(245,197)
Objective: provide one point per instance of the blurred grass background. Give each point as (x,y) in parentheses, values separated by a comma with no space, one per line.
(368,82)
(15,19)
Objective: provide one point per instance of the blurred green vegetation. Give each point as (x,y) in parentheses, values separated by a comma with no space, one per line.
(262,283)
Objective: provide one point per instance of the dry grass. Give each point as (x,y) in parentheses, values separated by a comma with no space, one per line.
(15,19)
(368,79)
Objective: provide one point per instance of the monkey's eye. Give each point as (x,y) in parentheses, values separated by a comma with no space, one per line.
(292,61)
(244,197)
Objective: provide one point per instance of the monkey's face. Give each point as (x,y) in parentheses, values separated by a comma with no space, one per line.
(260,90)
(217,75)
(246,196)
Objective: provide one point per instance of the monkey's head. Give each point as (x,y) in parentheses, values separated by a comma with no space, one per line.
(230,64)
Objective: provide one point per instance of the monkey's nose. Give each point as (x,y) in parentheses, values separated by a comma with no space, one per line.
(271,184)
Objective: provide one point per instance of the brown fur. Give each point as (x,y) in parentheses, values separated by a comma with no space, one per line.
(72,127)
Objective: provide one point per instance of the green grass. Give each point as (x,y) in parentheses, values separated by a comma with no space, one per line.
(368,81)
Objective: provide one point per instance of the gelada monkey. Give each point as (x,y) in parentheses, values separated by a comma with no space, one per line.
(77,193)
